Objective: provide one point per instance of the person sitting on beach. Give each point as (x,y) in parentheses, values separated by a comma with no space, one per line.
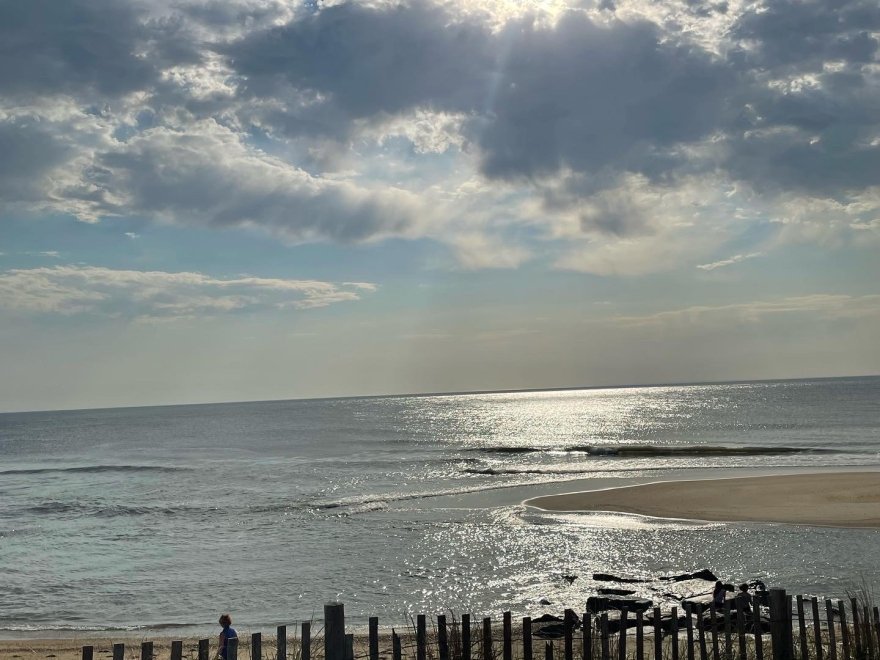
(743,599)
(226,634)
(718,595)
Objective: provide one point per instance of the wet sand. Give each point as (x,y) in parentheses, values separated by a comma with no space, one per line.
(840,499)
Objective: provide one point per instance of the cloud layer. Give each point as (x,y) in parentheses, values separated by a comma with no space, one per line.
(352,122)
(134,294)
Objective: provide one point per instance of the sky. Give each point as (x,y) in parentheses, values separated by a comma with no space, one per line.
(221,200)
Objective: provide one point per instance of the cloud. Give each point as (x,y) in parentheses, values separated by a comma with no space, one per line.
(735,259)
(161,295)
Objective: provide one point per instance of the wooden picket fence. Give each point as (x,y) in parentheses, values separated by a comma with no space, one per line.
(796,629)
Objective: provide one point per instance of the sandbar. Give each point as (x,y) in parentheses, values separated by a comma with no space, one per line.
(839,499)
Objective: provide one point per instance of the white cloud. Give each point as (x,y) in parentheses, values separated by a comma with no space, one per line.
(157,294)
(735,259)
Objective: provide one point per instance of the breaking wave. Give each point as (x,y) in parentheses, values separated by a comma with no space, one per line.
(658,450)
(94,469)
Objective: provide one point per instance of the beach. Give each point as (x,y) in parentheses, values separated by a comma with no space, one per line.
(840,499)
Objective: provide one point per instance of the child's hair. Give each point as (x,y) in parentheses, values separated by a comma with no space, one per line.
(744,587)
(225,620)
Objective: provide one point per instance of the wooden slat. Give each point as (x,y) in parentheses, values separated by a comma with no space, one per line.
(232,649)
(802,629)
(603,632)
(487,638)
(334,631)
(742,602)
(567,634)
(844,632)
(527,637)
(548,650)
(832,637)
(465,637)
(442,639)
(658,635)
(373,633)
(689,629)
(857,633)
(640,636)
(868,633)
(421,637)
(256,646)
(88,652)
(281,643)
(587,628)
(674,633)
(177,650)
(396,653)
(780,624)
(305,641)
(817,627)
(713,631)
(146,650)
(507,639)
(701,632)
(728,632)
(349,646)
(621,637)
(756,628)
(119,652)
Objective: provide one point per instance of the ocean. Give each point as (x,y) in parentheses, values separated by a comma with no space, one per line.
(155,519)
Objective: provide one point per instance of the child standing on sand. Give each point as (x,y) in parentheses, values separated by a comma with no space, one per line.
(226,634)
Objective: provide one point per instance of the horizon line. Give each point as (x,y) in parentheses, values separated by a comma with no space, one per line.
(399,395)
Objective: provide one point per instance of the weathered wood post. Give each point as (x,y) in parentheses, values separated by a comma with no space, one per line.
(621,635)
(869,636)
(587,629)
(374,637)
(305,641)
(442,639)
(281,643)
(673,629)
(780,625)
(757,629)
(507,643)
(603,633)
(832,637)
(857,633)
(742,603)
(232,649)
(689,628)
(349,646)
(802,629)
(146,650)
(256,646)
(396,652)
(421,637)
(817,627)
(88,652)
(728,632)
(640,635)
(177,650)
(487,638)
(465,637)
(527,637)
(658,635)
(119,652)
(844,631)
(713,622)
(334,631)
(701,631)
(548,650)
(568,634)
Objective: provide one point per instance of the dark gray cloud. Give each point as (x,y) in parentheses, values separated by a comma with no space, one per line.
(27,154)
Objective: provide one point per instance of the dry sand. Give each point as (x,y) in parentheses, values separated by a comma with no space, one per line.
(840,499)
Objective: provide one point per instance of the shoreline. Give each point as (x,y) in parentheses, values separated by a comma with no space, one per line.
(837,499)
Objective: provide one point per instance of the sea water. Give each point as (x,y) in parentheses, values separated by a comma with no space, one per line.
(149,518)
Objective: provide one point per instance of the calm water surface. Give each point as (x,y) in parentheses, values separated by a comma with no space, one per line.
(150,517)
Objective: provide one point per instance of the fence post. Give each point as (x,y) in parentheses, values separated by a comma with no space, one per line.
(119,652)
(802,629)
(548,650)
(374,638)
(844,631)
(832,638)
(177,650)
(587,626)
(232,648)
(465,637)
(728,632)
(146,650)
(487,638)
(701,630)
(349,646)
(640,635)
(689,627)
(567,629)
(817,626)
(281,643)
(603,632)
(621,635)
(442,639)
(88,652)
(742,602)
(780,625)
(204,650)
(421,637)
(673,629)
(869,637)
(334,631)
(507,644)
(305,641)
(527,637)
(757,628)
(395,646)
(713,630)
(256,646)
(658,635)
(857,636)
